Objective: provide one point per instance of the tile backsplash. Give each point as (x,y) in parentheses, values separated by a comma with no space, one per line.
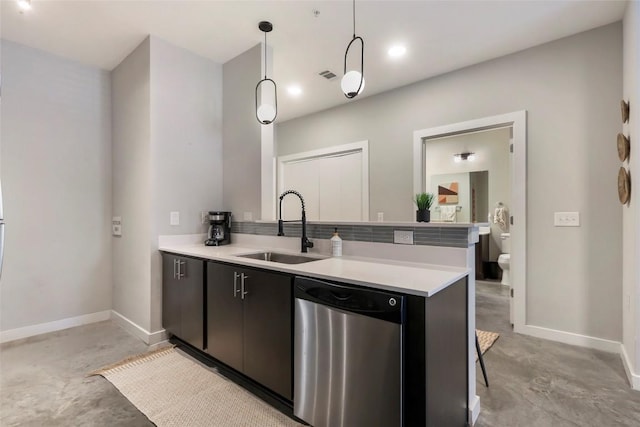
(457,237)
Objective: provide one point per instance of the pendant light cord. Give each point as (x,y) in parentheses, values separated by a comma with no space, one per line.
(265,54)
(354,19)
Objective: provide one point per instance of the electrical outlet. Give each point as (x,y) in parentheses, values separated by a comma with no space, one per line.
(380,216)
(204,217)
(116,226)
(174,218)
(247,216)
(566,219)
(403,237)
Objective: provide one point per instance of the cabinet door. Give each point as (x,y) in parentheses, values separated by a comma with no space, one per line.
(171,295)
(268,330)
(224,314)
(191,285)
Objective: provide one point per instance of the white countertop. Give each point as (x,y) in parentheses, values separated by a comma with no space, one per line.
(409,278)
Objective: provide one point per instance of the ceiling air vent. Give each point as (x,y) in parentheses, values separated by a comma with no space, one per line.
(327,75)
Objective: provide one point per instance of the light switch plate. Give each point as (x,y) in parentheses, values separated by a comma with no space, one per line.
(403,237)
(116,226)
(566,219)
(174,218)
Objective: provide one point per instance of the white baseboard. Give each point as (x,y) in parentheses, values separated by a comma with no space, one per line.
(570,338)
(634,379)
(57,325)
(149,338)
(474,408)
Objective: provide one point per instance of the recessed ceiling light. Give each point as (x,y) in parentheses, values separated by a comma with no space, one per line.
(24,5)
(397,51)
(294,90)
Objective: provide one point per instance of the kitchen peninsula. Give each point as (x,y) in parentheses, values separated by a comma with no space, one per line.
(239,311)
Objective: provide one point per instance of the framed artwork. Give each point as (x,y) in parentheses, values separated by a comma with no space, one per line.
(448,193)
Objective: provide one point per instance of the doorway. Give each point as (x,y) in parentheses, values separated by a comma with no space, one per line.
(516,123)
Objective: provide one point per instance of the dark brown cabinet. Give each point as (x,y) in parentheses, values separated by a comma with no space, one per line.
(183,298)
(249,323)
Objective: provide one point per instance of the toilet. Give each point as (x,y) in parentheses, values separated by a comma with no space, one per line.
(505,258)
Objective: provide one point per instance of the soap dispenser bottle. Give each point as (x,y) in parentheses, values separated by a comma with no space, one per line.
(336,244)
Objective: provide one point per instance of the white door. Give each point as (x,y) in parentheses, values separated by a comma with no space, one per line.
(302,177)
(340,183)
(334,183)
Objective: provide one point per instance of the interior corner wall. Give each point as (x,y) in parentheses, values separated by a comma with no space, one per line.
(56,180)
(130,84)
(571,91)
(631,212)
(186,149)
(242,191)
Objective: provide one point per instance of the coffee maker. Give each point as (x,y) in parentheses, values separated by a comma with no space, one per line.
(219,229)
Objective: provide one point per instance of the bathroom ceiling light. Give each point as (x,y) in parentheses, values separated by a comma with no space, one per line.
(266,113)
(464,156)
(294,90)
(397,51)
(353,81)
(24,5)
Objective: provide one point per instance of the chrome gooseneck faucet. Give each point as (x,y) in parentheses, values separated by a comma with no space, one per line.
(305,242)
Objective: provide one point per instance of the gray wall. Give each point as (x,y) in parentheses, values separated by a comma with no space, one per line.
(56,181)
(631,227)
(242,135)
(132,186)
(571,89)
(186,148)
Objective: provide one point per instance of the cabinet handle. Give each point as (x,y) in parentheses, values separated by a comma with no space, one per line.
(243,277)
(235,284)
(175,263)
(182,274)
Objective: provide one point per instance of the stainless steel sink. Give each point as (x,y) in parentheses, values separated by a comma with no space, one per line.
(279,257)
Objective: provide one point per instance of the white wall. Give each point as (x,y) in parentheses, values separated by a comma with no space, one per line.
(631,213)
(571,90)
(186,148)
(167,157)
(132,186)
(56,178)
(242,135)
(491,149)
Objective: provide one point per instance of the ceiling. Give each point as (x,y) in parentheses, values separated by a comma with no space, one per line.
(440,36)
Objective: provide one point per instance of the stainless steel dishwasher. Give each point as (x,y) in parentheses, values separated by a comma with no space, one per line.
(347,355)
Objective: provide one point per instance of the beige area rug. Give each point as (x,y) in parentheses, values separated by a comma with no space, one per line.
(486,340)
(173,390)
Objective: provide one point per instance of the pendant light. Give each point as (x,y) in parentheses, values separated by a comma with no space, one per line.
(353,82)
(266,113)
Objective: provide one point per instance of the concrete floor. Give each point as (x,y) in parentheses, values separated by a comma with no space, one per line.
(533,382)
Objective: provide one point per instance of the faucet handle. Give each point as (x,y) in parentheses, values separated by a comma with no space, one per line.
(308,243)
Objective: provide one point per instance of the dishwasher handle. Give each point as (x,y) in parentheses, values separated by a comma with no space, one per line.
(368,302)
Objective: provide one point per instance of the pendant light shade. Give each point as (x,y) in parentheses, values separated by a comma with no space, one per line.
(267,110)
(352,83)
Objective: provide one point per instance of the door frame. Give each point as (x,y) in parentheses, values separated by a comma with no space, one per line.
(517,121)
(336,150)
